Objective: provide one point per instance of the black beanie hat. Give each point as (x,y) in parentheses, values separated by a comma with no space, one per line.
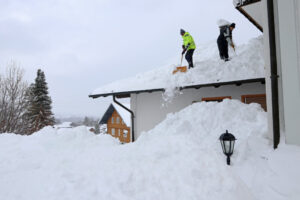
(232,25)
(182,31)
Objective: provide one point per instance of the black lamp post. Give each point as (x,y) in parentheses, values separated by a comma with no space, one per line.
(227,142)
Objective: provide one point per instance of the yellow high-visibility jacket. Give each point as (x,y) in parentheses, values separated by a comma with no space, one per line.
(188,41)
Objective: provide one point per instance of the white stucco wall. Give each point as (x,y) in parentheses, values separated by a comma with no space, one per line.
(149,110)
(288,34)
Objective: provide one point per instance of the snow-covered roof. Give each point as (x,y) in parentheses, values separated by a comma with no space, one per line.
(242,2)
(246,63)
(64,125)
(124,114)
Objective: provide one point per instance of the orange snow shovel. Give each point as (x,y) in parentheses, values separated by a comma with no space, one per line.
(180,68)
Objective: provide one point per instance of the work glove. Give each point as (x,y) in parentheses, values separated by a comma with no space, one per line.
(184,50)
(183,47)
(232,45)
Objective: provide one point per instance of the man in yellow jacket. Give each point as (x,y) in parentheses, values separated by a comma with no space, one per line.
(188,47)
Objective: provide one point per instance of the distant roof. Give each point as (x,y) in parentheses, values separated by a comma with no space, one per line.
(124,114)
(64,125)
(246,63)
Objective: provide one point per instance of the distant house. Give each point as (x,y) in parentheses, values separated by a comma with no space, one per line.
(64,125)
(118,122)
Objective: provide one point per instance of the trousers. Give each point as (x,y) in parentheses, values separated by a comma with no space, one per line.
(223,48)
(189,57)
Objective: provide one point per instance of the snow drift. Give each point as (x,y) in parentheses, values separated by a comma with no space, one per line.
(246,63)
(181,158)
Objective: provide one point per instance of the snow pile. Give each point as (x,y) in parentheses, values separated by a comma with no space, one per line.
(223,22)
(247,62)
(181,158)
(238,2)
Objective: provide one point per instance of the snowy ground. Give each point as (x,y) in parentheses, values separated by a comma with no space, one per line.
(246,63)
(180,158)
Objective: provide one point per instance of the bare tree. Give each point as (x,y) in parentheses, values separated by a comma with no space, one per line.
(12,100)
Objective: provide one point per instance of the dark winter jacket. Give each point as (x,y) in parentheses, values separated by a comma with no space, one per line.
(225,35)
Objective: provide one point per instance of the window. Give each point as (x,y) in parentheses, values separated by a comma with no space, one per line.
(118,120)
(112,120)
(125,133)
(218,99)
(255,98)
(119,131)
(113,131)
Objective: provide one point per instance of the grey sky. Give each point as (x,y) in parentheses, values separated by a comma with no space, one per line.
(82,45)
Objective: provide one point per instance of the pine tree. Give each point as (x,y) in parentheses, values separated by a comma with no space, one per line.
(39,109)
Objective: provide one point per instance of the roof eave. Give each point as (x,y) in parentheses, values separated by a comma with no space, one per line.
(198,86)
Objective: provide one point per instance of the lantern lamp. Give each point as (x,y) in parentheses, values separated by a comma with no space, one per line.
(227,142)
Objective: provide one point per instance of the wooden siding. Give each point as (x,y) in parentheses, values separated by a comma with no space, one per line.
(255,98)
(120,128)
(218,99)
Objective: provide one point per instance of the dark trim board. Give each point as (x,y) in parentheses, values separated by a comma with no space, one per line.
(126,94)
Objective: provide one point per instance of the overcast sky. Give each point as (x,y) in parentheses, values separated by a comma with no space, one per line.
(83,44)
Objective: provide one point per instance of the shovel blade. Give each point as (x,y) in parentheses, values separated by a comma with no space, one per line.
(180,69)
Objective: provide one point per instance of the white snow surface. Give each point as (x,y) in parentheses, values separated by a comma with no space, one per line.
(246,63)
(180,159)
(237,2)
(64,125)
(223,22)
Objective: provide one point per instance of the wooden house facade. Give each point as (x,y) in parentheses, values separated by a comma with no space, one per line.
(116,120)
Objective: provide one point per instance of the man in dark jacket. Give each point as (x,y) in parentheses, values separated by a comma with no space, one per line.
(224,39)
(188,47)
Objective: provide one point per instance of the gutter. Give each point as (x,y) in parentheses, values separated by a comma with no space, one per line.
(274,75)
(216,85)
(131,113)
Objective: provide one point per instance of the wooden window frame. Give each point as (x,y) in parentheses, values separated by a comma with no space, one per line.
(243,97)
(215,98)
(113,131)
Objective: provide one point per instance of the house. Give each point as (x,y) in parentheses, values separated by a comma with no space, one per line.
(117,122)
(63,125)
(280,22)
(156,93)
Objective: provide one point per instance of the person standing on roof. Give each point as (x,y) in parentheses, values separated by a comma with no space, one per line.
(188,47)
(224,39)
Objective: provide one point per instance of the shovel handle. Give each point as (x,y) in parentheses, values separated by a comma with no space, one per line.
(181,59)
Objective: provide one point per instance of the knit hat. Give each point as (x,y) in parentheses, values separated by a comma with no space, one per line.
(232,25)
(182,31)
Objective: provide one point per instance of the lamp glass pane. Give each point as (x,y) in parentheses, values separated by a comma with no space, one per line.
(232,147)
(227,146)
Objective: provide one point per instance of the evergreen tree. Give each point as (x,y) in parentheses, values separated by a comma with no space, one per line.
(39,109)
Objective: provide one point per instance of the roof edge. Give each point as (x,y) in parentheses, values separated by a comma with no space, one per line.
(125,94)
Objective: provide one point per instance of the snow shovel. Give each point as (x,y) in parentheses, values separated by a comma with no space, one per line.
(180,68)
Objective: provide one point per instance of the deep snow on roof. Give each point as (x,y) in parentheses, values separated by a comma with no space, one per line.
(124,114)
(246,63)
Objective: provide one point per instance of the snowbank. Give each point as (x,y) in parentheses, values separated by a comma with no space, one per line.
(181,158)
(246,63)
